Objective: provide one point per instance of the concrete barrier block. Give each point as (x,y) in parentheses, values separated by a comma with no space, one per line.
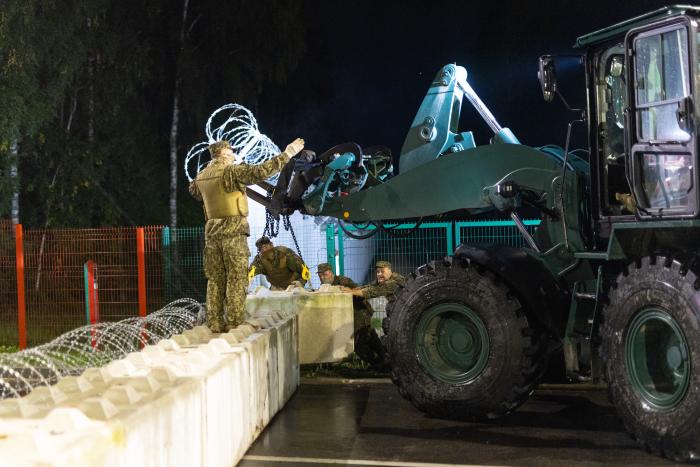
(196,361)
(181,339)
(98,408)
(19,408)
(246,329)
(51,395)
(209,352)
(255,323)
(139,359)
(122,395)
(62,420)
(230,337)
(74,384)
(165,374)
(171,404)
(202,332)
(191,336)
(325,327)
(146,384)
(155,353)
(168,345)
(219,345)
(98,376)
(120,368)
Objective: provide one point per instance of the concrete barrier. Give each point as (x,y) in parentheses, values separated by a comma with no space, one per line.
(196,399)
(325,320)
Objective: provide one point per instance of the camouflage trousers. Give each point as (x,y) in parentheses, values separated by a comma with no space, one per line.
(367,344)
(226,269)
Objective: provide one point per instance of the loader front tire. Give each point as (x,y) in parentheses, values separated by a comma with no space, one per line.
(460,343)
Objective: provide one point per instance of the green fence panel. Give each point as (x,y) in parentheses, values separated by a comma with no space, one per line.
(502,232)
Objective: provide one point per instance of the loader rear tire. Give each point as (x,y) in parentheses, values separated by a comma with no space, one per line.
(460,343)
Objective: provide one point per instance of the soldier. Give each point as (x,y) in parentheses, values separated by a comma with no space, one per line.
(221,185)
(280,265)
(367,344)
(386,284)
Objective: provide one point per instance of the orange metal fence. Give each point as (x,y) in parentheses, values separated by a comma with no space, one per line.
(128,273)
(8,285)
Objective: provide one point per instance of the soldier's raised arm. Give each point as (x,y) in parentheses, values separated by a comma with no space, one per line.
(252,174)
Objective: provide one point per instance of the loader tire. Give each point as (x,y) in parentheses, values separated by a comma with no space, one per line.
(651,352)
(460,343)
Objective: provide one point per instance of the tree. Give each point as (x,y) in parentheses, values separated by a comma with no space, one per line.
(92,100)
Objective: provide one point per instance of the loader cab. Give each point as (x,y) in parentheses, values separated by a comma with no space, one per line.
(642,76)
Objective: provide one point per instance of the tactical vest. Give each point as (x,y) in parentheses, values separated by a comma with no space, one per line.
(276,271)
(217,202)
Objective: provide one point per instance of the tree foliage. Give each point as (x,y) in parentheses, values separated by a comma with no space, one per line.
(86,92)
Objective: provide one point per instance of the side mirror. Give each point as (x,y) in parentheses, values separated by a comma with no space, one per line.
(547,77)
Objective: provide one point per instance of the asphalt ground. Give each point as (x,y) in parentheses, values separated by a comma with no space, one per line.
(336,422)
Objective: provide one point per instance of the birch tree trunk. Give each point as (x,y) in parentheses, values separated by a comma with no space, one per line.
(174,122)
(14,175)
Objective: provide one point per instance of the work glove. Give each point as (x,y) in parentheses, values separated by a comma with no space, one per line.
(305,274)
(294,147)
(251,274)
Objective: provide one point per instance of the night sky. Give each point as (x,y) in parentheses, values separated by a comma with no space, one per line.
(369,64)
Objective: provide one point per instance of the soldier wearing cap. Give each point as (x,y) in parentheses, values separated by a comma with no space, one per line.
(280,265)
(367,344)
(221,185)
(385,286)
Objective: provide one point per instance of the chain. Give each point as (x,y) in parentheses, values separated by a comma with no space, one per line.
(272,227)
(288,226)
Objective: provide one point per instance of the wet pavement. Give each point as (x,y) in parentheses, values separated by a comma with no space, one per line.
(371,424)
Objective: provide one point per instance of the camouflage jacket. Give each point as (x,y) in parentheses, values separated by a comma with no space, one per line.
(280,265)
(359,304)
(235,177)
(385,289)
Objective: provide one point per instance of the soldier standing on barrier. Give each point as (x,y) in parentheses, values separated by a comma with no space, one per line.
(221,185)
(367,344)
(280,265)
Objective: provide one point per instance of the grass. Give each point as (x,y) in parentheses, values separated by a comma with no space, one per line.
(8,348)
(351,367)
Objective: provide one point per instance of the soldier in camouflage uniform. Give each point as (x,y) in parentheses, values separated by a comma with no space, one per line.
(221,185)
(385,286)
(367,344)
(280,265)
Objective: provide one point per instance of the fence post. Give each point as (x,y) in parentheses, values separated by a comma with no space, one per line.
(341,252)
(141,264)
(21,304)
(330,245)
(92,313)
(450,238)
(167,265)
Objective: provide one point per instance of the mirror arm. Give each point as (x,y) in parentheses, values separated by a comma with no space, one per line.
(582,112)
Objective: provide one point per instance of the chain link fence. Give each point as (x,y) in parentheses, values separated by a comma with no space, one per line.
(132,277)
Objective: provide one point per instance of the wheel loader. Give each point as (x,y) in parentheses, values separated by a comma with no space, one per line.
(611,275)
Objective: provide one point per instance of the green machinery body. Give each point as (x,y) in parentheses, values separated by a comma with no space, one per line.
(443,171)
(619,237)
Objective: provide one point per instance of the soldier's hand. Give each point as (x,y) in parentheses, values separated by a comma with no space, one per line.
(294,147)
(343,288)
